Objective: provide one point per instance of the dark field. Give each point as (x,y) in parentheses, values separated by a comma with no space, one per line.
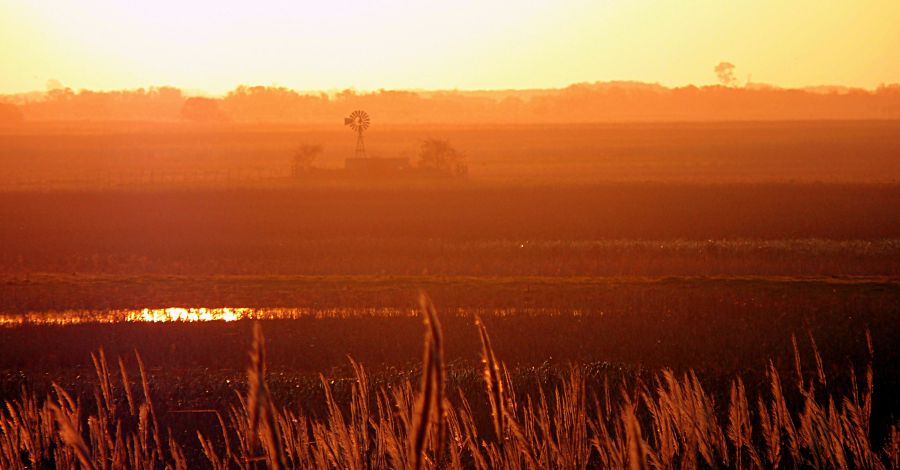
(623,229)
(618,251)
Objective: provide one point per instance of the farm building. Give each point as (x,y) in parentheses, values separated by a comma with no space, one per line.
(376,165)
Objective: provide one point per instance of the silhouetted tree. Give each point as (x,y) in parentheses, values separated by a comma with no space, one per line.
(439,155)
(60,94)
(54,84)
(10,114)
(725,73)
(303,158)
(202,110)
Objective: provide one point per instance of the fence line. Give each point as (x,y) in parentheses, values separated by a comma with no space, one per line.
(149,179)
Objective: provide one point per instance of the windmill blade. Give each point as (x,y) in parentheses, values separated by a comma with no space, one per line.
(363,119)
(358,120)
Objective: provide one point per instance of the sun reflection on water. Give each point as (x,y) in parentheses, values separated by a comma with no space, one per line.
(176,314)
(189,315)
(231,314)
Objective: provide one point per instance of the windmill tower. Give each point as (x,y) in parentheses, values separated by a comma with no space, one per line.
(361,163)
(358,122)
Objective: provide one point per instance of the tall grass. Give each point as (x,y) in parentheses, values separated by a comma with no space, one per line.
(669,423)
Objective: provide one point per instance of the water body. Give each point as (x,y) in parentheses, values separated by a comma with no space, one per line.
(230,314)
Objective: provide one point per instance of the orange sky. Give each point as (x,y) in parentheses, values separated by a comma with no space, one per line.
(465,44)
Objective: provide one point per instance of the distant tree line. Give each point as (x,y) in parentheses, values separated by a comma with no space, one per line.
(586,102)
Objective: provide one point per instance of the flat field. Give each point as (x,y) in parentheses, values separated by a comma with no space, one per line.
(125,155)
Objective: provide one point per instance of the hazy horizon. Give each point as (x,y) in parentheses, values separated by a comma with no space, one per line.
(823,88)
(583,102)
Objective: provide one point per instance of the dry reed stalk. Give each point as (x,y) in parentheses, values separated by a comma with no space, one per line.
(228,453)
(855,418)
(120,450)
(439,374)
(127,385)
(691,412)
(422,413)
(104,381)
(740,429)
(514,443)
(341,436)
(209,451)
(781,418)
(635,445)
(396,405)
(177,454)
(24,428)
(820,368)
(667,438)
(493,382)
(869,345)
(797,369)
(456,444)
(606,402)
(430,401)
(259,405)
(574,403)
(892,447)
(471,440)
(148,401)
(611,446)
(70,434)
(360,415)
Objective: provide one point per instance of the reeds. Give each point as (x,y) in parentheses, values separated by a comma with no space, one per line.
(674,423)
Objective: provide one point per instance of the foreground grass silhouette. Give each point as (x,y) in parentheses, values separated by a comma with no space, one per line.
(673,423)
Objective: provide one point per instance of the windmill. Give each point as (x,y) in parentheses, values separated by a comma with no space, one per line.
(358,122)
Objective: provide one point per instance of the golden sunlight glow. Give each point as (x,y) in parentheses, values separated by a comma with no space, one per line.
(174,314)
(467,44)
(149,315)
(190,315)
(230,314)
